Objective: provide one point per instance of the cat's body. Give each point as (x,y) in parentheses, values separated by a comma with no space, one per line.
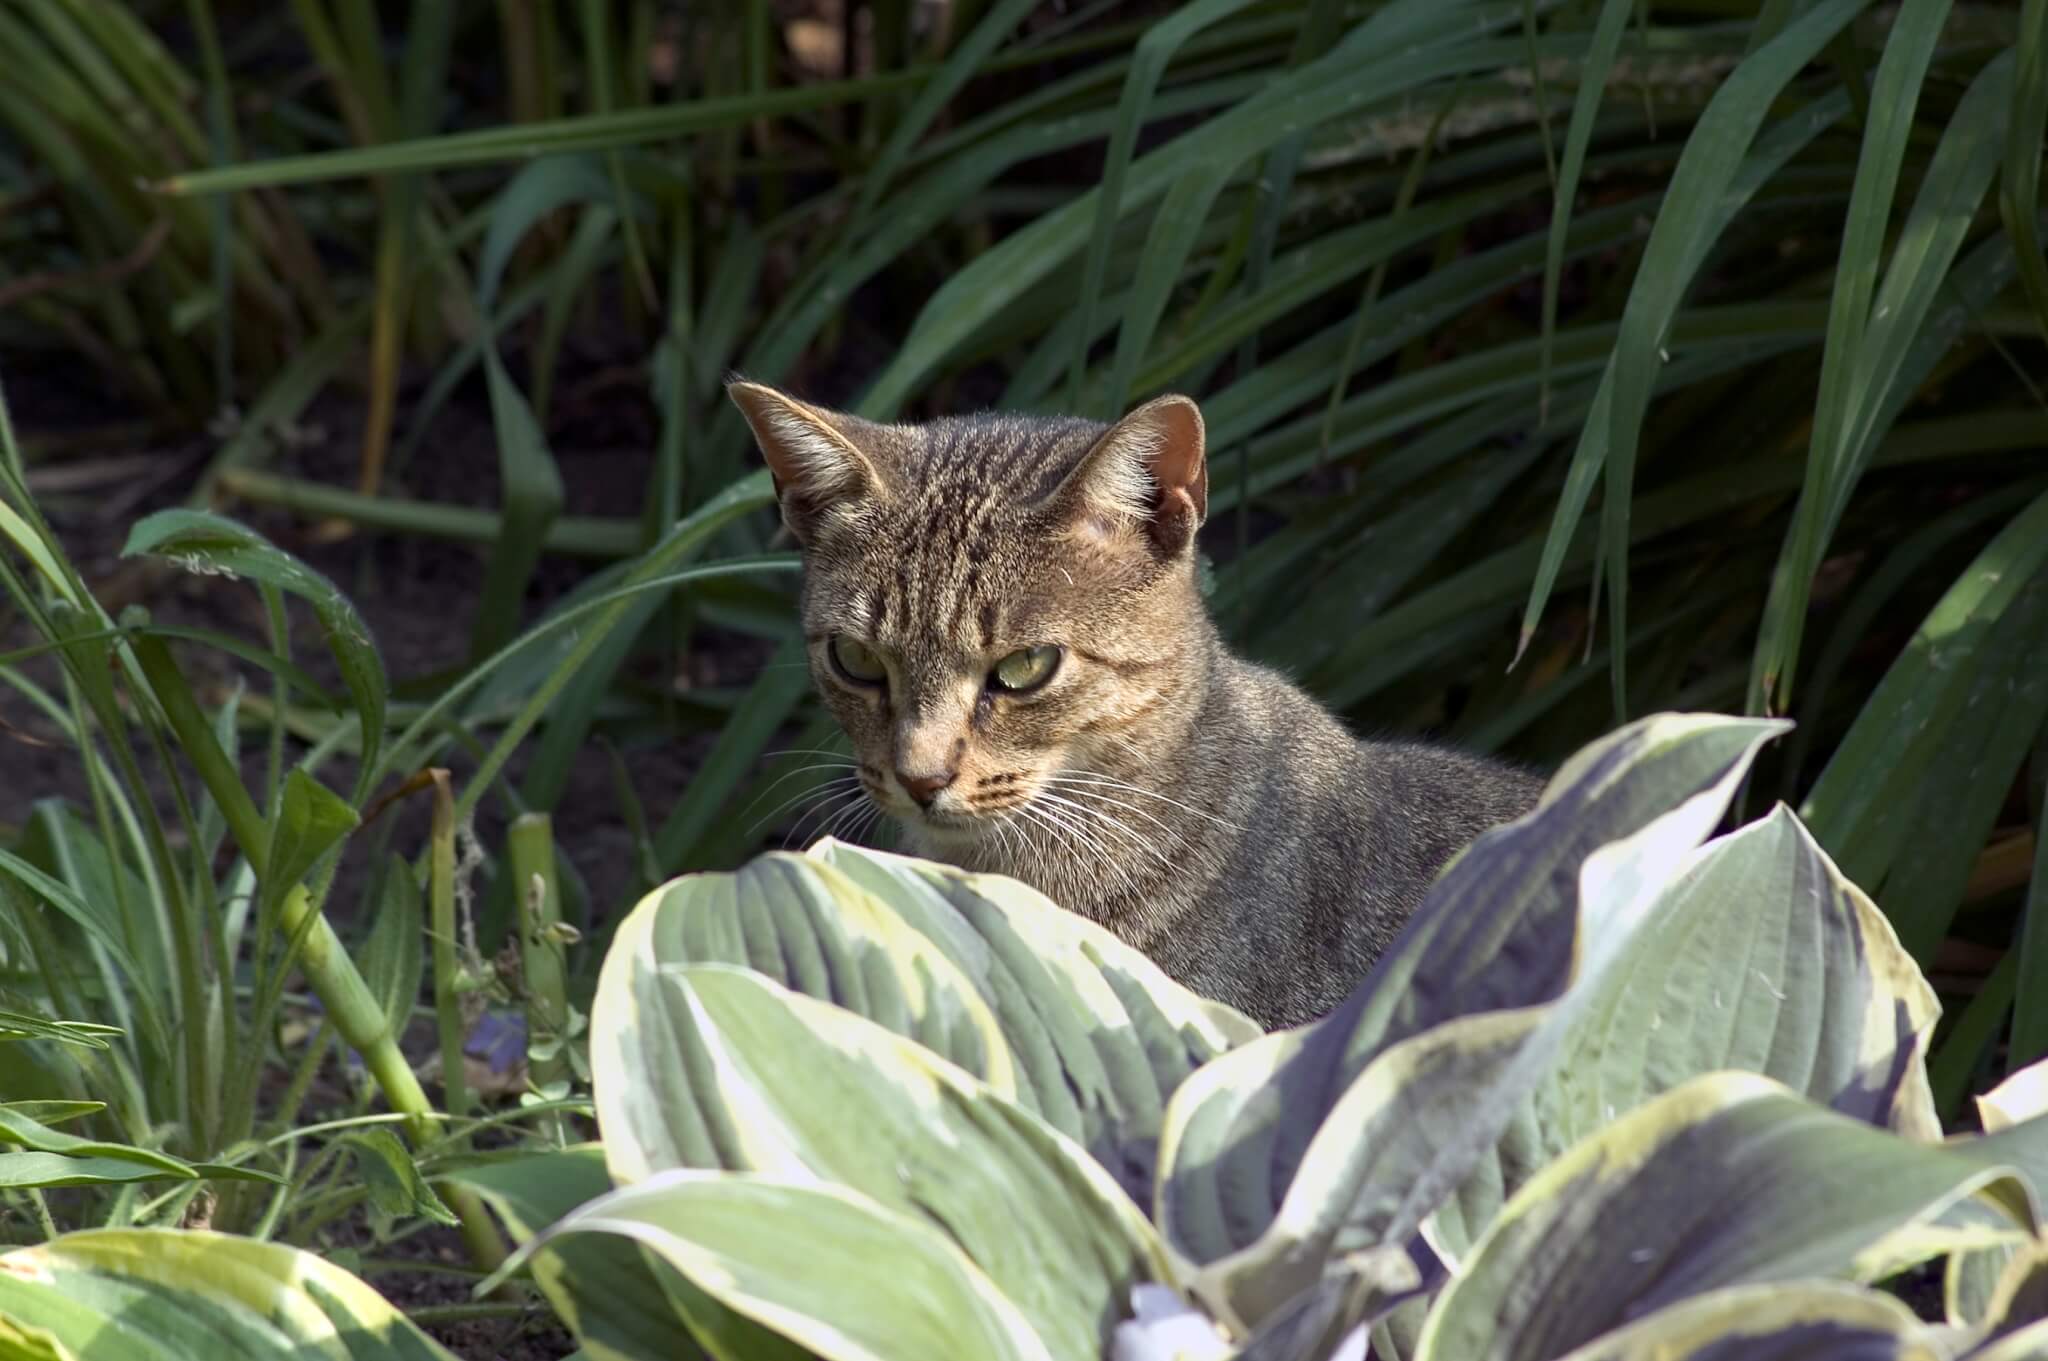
(1003,616)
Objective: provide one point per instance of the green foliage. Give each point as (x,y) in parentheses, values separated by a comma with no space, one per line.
(1685,364)
(186,1295)
(1559,1074)
(1692,316)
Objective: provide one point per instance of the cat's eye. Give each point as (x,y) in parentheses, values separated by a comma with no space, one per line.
(856,660)
(1025,669)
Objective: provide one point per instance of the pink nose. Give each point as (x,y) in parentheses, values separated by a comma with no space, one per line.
(924,788)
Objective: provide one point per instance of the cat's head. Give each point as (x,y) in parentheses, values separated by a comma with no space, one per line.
(999,608)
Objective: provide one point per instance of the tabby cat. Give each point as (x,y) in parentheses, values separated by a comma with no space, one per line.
(1002,612)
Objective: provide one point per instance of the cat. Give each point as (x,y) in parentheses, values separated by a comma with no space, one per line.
(1002,612)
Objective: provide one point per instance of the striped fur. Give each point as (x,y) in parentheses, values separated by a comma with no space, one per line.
(1203,808)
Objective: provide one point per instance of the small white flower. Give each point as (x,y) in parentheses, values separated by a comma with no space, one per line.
(1167,1328)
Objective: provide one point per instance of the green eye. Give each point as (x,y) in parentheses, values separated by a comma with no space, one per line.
(857,661)
(1025,669)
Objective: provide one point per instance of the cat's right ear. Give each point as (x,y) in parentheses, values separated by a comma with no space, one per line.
(816,467)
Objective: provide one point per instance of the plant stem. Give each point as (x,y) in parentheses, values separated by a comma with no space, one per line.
(537,895)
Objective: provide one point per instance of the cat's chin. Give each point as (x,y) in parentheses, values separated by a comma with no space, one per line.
(952,838)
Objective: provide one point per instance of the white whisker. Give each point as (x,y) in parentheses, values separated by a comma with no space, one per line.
(1096,777)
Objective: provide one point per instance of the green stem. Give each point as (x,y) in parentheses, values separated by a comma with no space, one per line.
(447,955)
(537,895)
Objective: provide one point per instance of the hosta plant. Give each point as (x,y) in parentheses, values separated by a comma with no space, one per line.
(187,1295)
(1619,1090)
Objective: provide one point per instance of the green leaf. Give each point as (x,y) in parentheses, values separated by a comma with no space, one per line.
(1728,1180)
(530,492)
(1501,930)
(1760,958)
(311,821)
(54,1112)
(20,1025)
(212,545)
(16,1127)
(1875,362)
(800,1257)
(1101,1037)
(19,1170)
(397,1190)
(1045,1007)
(394,952)
(1795,1321)
(797,1088)
(623,1304)
(1901,734)
(187,1295)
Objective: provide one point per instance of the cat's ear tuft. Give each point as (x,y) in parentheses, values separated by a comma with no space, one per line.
(816,466)
(1147,472)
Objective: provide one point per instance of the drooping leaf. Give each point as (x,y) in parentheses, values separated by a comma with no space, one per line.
(212,545)
(192,1295)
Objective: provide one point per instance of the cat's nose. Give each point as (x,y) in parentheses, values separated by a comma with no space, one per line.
(924,788)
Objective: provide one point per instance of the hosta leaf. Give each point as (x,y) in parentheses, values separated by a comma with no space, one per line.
(1500,930)
(1099,1034)
(2019,1300)
(187,1295)
(797,1088)
(1802,1321)
(1760,957)
(1644,1215)
(1078,1027)
(799,922)
(212,545)
(821,1265)
(622,1302)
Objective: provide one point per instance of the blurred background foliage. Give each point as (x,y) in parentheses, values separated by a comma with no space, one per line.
(1563,360)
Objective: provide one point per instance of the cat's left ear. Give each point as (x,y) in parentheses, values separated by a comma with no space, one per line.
(1148,471)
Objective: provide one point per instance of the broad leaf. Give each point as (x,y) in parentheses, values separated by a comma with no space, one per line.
(800,923)
(1101,1036)
(824,1266)
(1044,1006)
(795,1088)
(1500,930)
(1803,1321)
(623,1303)
(1637,1217)
(187,1295)
(1761,958)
